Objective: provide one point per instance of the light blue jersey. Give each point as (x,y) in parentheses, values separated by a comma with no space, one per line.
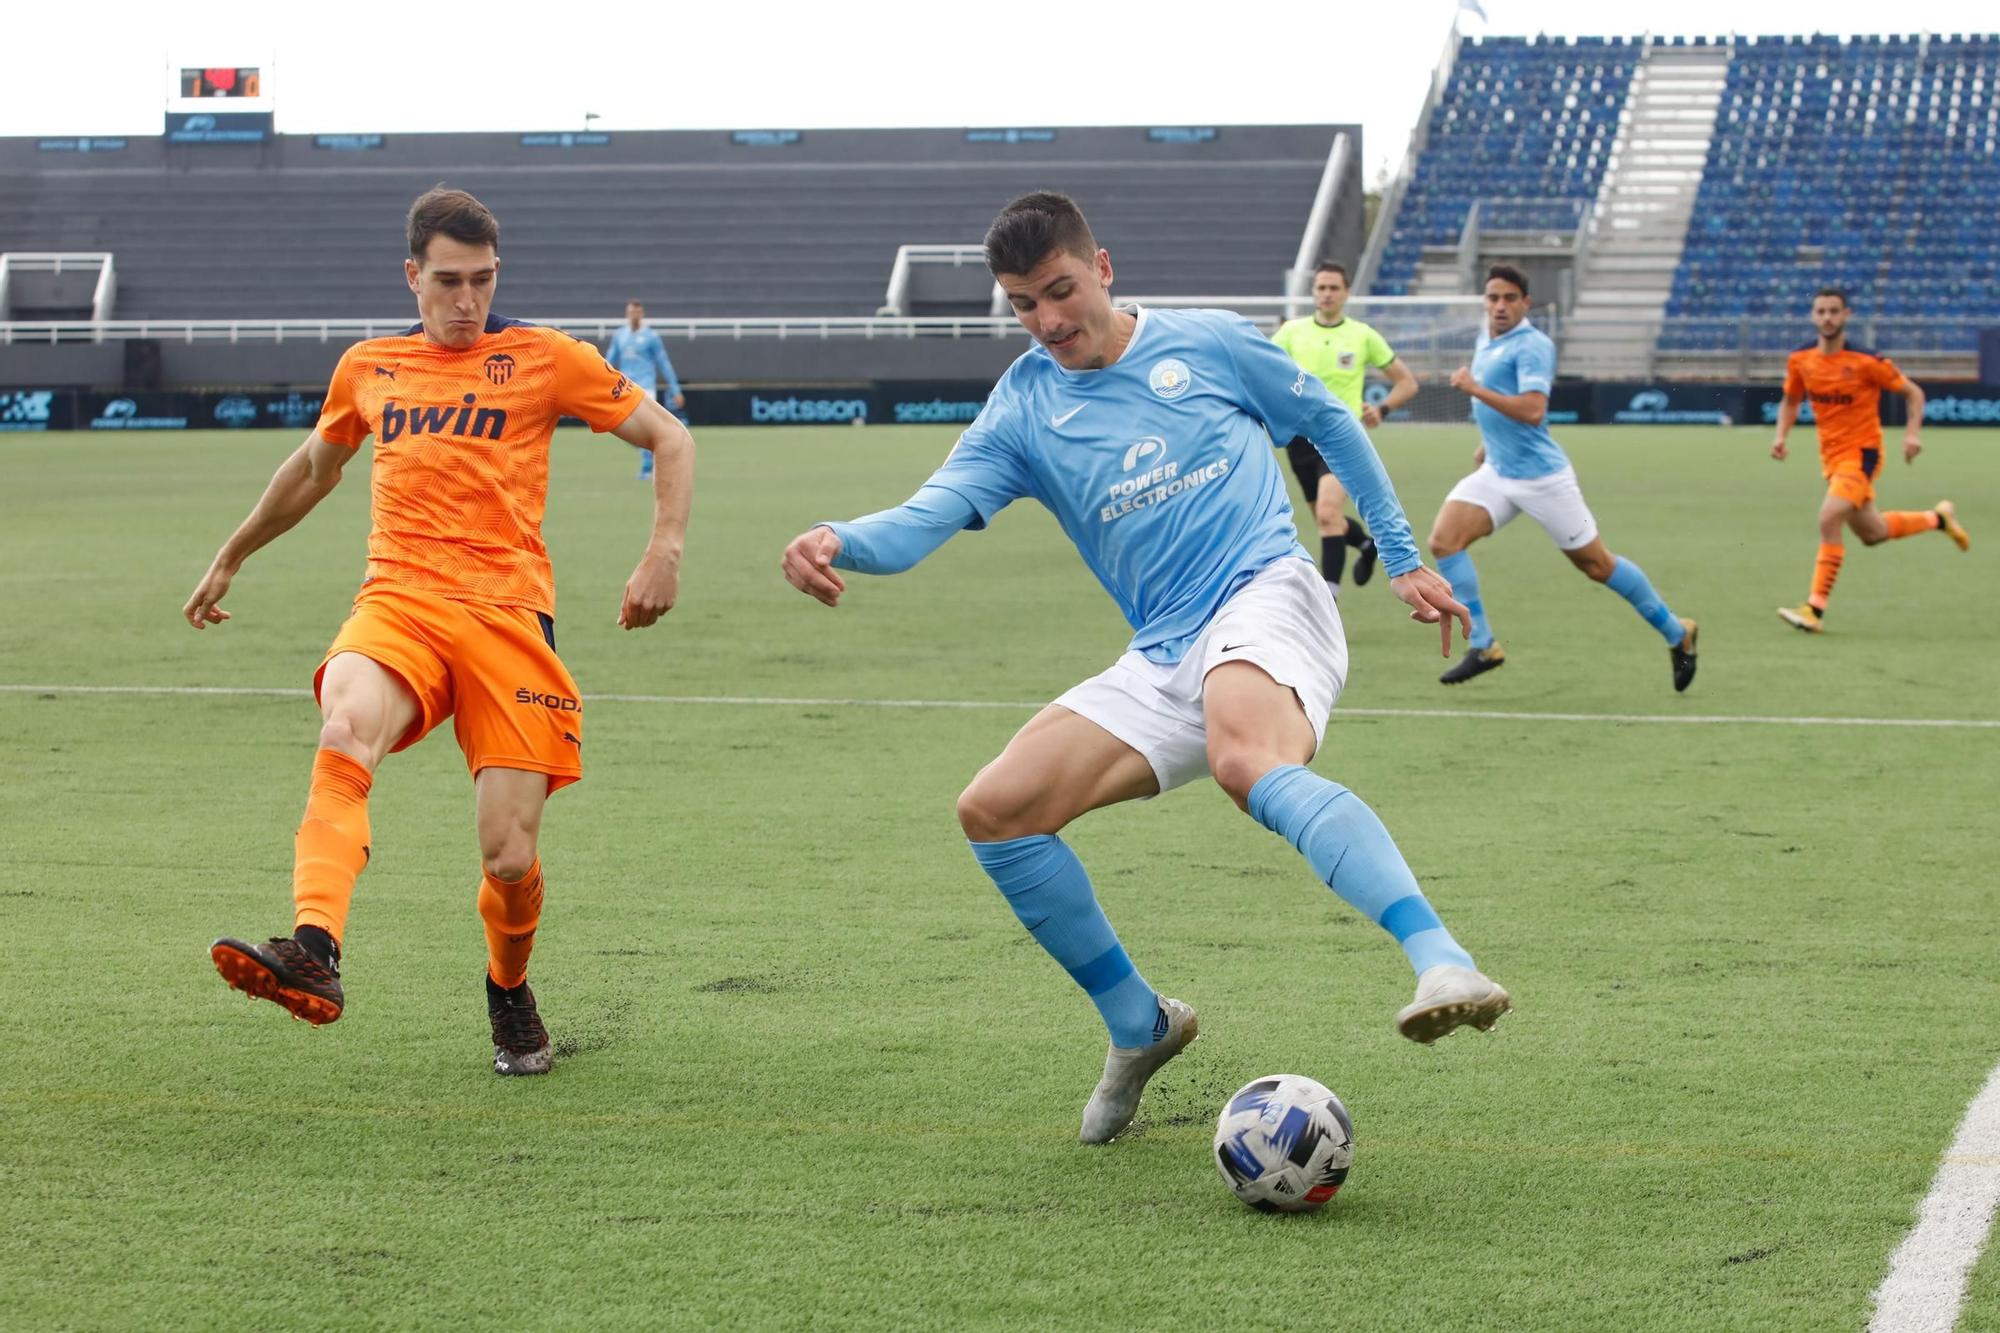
(1159,468)
(642,358)
(1521,360)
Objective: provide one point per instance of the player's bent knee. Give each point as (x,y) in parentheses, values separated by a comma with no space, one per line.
(1440,547)
(510,861)
(1236,771)
(338,732)
(993,812)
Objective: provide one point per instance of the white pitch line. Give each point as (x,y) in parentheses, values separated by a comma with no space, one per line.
(1016,706)
(1930,1269)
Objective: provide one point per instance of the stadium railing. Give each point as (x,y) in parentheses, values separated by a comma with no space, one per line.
(897,298)
(596,329)
(1319,220)
(104,292)
(1751,349)
(1265,310)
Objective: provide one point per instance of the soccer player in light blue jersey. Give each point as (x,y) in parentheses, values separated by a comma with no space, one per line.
(638,352)
(1521,469)
(1147,433)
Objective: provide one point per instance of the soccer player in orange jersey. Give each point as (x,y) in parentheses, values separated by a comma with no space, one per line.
(456,616)
(1845,385)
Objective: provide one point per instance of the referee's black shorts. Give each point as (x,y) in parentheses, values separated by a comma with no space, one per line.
(1307,465)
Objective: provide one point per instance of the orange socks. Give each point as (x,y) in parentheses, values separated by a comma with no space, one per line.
(511,913)
(331,846)
(1909,522)
(1825,570)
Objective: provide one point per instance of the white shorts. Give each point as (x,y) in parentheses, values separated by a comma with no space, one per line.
(1554,501)
(1284,620)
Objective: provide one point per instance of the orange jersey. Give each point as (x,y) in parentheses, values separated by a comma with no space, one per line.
(461,469)
(1845,389)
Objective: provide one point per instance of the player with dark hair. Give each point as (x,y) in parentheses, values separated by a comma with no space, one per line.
(1339,351)
(1144,433)
(456,616)
(1522,469)
(1845,385)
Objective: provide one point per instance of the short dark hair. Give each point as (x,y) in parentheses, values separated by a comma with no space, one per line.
(1508,273)
(1328,266)
(1032,228)
(1838,293)
(443,211)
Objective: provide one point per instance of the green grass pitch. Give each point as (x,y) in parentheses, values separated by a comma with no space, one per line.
(815,1074)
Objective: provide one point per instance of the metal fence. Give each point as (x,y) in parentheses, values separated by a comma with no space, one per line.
(1756,348)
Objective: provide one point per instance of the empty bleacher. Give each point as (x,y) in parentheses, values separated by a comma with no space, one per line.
(1520,118)
(689,222)
(1872,164)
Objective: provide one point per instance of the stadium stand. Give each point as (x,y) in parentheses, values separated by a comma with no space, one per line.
(1872,164)
(696,223)
(1520,119)
(1715,184)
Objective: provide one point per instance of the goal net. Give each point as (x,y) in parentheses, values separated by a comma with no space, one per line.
(1433,336)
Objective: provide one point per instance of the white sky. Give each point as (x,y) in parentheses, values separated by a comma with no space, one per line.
(367,65)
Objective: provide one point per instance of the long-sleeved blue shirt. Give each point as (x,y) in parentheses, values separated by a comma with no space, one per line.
(1159,468)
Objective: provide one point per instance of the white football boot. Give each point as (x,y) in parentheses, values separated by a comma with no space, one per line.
(1126,1069)
(1448,997)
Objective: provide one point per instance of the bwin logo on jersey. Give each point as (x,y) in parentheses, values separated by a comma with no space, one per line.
(1151,447)
(1170,378)
(451,419)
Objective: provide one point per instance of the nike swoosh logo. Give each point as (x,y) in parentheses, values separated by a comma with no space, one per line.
(1058,421)
(1232,647)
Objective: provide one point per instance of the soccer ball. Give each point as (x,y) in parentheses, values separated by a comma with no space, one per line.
(1284,1144)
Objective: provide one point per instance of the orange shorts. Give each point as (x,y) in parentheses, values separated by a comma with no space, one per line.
(1851,476)
(492,669)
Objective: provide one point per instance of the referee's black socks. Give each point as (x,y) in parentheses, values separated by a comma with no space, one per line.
(1333,556)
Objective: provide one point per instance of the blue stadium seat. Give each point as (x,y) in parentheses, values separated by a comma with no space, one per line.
(1883,157)
(1521,118)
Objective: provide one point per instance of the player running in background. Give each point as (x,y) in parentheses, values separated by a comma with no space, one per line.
(638,352)
(1144,433)
(1845,385)
(456,616)
(1338,351)
(1522,468)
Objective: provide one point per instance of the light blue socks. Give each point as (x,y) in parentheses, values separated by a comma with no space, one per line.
(1350,850)
(1049,890)
(1630,582)
(1465,587)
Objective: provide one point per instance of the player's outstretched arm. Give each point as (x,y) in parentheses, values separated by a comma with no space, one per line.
(655,584)
(1530,409)
(1788,416)
(1402,388)
(1912,433)
(301,481)
(888,542)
